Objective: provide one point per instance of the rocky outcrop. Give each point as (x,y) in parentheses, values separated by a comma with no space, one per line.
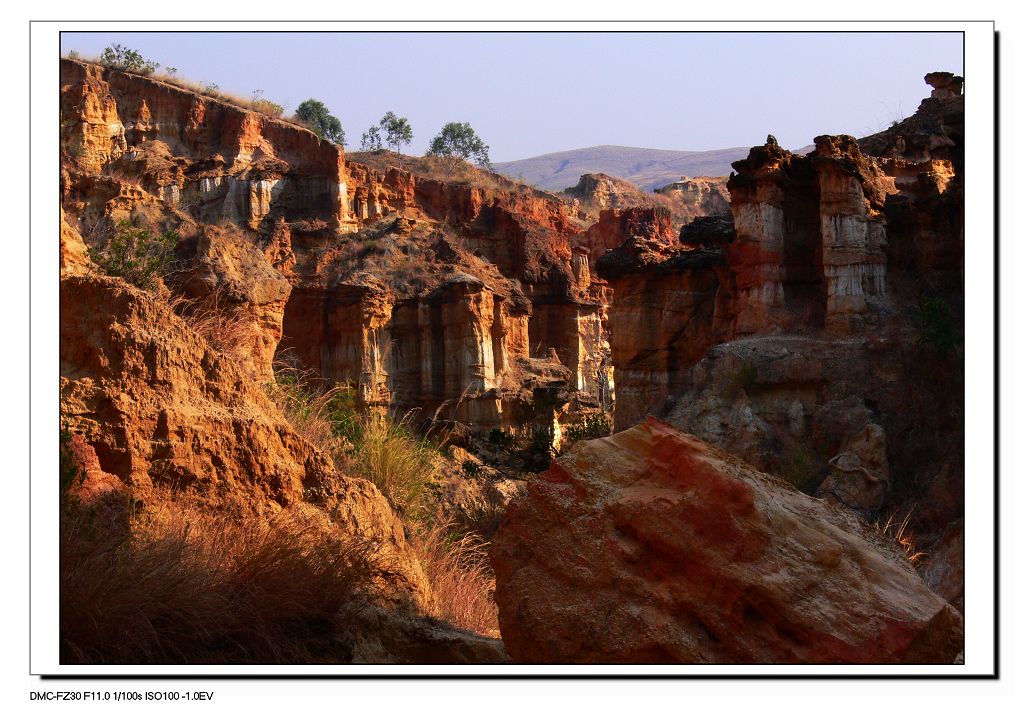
(816,333)
(231,281)
(521,231)
(599,191)
(662,319)
(692,197)
(74,254)
(804,252)
(653,547)
(810,237)
(498,284)
(615,226)
(424,290)
(163,411)
(214,159)
(810,248)
(925,155)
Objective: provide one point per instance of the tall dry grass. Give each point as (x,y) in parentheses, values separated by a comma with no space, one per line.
(324,417)
(460,573)
(225,327)
(184,585)
(389,453)
(390,456)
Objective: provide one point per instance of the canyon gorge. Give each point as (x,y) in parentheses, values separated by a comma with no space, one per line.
(777,354)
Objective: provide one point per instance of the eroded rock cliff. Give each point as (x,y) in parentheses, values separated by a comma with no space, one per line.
(165,412)
(816,333)
(424,291)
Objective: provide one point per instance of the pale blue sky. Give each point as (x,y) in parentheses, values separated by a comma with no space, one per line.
(533,93)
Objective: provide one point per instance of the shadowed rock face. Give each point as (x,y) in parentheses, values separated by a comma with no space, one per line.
(652,546)
(162,411)
(614,227)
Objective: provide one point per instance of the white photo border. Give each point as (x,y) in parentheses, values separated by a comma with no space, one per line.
(981,545)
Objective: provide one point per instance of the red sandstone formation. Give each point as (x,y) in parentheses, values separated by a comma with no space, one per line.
(787,332)
(810,253)
(427,293)
(789,336)
(615,226)
(653,547)
(212,159)
(162,410)
(693,197)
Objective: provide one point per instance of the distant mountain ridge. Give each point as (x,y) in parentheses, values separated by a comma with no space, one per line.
(647,168)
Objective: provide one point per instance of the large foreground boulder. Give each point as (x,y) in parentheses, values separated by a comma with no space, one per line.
(652,546)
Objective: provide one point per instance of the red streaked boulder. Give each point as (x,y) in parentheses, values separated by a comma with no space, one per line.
(651,546)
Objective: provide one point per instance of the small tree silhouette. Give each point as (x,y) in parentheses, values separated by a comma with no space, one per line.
(458,142)
(397,131)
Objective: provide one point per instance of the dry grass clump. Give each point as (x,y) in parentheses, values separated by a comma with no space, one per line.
(183,585)
(226,328)
(369,444)
(388,454)
(897,530)
(460,573)
(325,418)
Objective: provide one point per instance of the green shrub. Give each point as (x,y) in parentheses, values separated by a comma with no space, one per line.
(137,255)
(126,59)
(394,460)
(371,140)
(397,129)
(456,143)
(470,468)
(319,117)
(588,427)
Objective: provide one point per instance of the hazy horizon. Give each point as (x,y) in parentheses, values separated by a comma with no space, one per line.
(530,94)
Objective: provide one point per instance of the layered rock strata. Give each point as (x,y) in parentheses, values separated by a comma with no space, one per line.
(789,333)
(218,161)
(424,291)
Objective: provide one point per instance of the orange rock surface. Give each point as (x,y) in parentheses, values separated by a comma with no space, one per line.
(162,410)
(651,546)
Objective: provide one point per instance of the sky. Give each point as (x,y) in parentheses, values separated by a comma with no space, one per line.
(532,93)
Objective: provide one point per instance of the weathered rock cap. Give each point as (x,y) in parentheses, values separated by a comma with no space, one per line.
(651,546)
(945,84)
